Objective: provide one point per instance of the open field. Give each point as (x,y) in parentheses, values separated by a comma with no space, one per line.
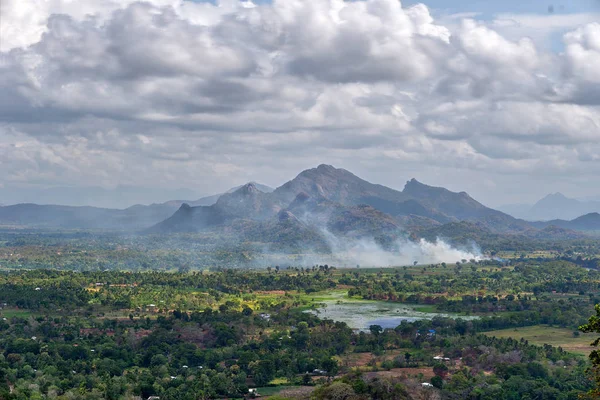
(427,373)
(543,334)
(299,391)
(15,312)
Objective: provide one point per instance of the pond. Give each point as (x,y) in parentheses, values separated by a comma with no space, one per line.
(360,315)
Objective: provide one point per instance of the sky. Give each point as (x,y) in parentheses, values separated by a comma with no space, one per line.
(497,98)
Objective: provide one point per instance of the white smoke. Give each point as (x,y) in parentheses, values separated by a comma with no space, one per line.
(368,253)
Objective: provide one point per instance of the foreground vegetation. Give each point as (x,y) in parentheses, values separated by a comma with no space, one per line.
(218,334)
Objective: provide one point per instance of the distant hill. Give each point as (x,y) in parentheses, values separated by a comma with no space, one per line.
(334,202)
(134,218)
(66,217)
(588,222)
(335,184)
(462,207)
(247,202)
(466,234)
(210,200)
(554,206)
(120,197)
(417,199)
(308,211)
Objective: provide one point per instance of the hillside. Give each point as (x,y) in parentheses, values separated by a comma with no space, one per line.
(417,199)
(466,234)
(67,217)
(133,218)
(335,184)
(247,202)
(461,207)
(588,222)
(210,200)
(336,203)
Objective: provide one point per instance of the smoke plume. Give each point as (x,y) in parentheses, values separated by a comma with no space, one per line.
(367,252)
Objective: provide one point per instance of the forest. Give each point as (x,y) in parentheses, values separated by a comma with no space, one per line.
(242,333)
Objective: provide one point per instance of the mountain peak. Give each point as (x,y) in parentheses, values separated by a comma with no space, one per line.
(326,168)
(591,215)
(258,186)
(247,202)
(414,182)
(556,196)
(185,207)
(322,170)
(248,189)
(326,182)
(556,200)
(415,187)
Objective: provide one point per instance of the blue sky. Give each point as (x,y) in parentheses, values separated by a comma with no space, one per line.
(489,8)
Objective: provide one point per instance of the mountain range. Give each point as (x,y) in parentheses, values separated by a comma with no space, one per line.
(554,206)
(588,222)
(340,201)
(133,218)
(119,197)
(318,204)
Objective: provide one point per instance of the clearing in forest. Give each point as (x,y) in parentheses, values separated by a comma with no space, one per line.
(544,334)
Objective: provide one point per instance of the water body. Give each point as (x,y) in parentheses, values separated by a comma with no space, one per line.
(361,314)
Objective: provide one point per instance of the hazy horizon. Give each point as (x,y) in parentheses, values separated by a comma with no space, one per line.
(122,197)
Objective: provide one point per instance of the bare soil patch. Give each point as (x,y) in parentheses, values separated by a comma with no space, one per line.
(300,393)
(402,373)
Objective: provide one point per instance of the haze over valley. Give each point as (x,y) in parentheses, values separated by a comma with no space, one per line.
(324,213)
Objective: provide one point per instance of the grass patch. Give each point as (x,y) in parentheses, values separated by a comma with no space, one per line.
(319,297)
(272,390)
(425,308)
(279,381)
(9,313)
(557,337)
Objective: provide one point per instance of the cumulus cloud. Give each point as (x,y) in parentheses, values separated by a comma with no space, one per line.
(582,55)
(174,93)
(583,52)
(360,41)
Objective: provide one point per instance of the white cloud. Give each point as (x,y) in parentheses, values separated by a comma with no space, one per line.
(542,28)
(173,93)
(583,52)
